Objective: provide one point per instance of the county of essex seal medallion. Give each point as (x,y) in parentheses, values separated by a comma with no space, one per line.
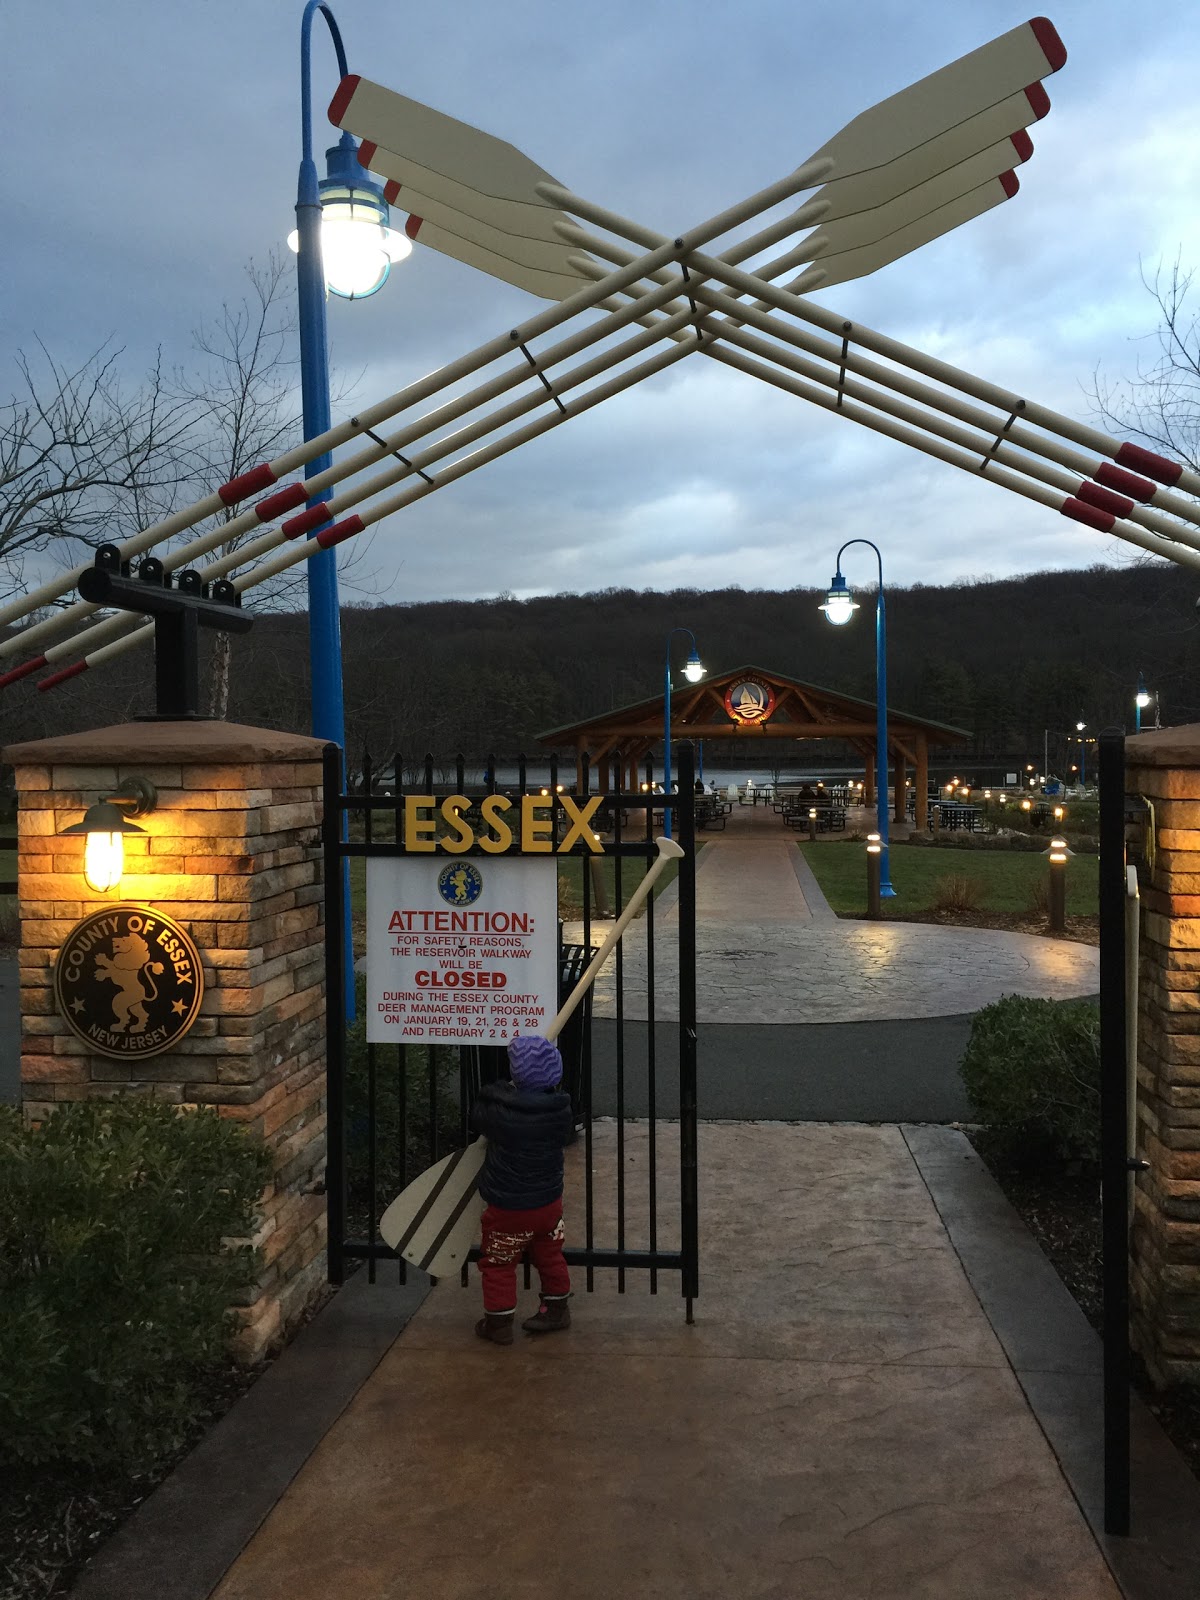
(128,981)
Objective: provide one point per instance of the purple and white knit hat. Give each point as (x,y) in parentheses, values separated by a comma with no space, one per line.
(534,1062)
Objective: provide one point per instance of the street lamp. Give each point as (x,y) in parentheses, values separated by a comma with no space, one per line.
(342,242)
(693,670)
(1140,701)
(1079,727)
(838,609)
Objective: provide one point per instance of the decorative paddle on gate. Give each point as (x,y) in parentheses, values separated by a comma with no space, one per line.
(476,906)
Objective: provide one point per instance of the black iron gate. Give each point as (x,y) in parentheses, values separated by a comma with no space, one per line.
(395,1109)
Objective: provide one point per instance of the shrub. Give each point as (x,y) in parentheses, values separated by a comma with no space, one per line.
(1032,1075)
(957,892)
(1039,897)
(113,1276)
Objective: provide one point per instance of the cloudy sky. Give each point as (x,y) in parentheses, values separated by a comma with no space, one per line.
(152,151)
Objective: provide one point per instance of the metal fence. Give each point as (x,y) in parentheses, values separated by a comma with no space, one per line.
(395,1109)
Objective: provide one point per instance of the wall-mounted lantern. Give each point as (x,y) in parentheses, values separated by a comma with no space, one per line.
(105,825)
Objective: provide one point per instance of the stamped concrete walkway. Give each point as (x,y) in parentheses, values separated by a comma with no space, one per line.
(769,949)
(841,1421)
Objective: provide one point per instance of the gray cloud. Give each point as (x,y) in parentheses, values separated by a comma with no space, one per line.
(173,135)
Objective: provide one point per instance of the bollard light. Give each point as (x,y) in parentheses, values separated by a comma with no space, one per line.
(1059,855)
(874,861)
(105,825)
(1059,813)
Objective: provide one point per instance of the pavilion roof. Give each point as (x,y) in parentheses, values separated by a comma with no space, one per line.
(800,711)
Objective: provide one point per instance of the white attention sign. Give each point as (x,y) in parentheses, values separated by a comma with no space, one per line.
(460,951)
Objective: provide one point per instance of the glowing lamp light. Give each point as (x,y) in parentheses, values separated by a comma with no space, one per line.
(1059,813)
(694,669)
(874,844)
(1026,805)
(105,825)
(840,605)
(1058,852)
(357,245)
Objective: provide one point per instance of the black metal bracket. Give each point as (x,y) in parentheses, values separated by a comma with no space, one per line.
(180,605)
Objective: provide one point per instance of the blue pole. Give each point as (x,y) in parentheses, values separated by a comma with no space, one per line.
(667,742)
(324,616)
(881,747)
(667,721)
(886,890)
(324,613)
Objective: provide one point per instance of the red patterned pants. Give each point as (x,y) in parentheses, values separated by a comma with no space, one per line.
(507,1235)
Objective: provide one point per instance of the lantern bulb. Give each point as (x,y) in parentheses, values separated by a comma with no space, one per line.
(103,861)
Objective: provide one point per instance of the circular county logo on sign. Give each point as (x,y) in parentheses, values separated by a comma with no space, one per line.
(128,981)
(460,883)
(749,700)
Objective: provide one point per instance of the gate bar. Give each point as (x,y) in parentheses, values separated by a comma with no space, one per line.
(1114,1180)
(688,1156)
(335,1012)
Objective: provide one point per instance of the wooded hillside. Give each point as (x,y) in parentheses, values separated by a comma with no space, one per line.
(1006,659)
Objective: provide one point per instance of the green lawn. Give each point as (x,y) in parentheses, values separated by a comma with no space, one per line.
(1006,879)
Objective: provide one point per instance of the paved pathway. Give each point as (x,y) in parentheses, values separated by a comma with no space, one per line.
(769,950)
(840,1421)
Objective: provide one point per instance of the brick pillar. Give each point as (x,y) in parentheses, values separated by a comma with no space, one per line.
(232,852)
(1164,766)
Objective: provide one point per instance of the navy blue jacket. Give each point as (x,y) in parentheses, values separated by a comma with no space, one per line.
(526,1131)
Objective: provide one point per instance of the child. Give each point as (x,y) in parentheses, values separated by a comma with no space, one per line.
(526,1123)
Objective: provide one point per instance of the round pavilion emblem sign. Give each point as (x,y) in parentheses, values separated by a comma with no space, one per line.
(128,981)
(749,700)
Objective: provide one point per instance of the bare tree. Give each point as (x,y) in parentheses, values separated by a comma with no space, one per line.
(244,403)
(83,458)
(1160,403)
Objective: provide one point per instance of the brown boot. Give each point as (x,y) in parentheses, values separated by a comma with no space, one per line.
(496,1326)
(553,1313)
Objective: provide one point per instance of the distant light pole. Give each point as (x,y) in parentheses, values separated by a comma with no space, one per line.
(343,243)
(693,670)
(1140,701)
(838,609)
(1079,728)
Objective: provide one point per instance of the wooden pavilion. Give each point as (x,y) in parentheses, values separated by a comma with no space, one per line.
(753,705)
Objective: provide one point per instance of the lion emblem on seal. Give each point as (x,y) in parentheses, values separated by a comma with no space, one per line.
(133,972)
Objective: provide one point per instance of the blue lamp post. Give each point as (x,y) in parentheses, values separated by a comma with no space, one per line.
(1140,701)
(343,243)
(693,671)
(838,609)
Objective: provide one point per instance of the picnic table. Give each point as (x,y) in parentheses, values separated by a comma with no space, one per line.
(711,811)
(955,817)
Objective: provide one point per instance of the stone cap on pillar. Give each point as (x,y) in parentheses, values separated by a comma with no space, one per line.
(1164,747)
(215,742)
